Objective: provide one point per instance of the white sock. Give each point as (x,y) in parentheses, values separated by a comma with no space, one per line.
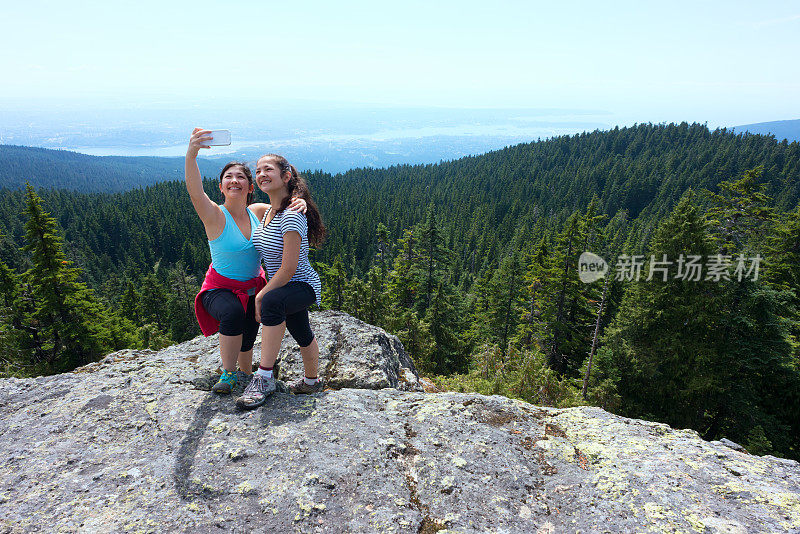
(265,374)
(310,381)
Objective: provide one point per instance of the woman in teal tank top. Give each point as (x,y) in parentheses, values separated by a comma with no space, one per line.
(226,301)
(232,253)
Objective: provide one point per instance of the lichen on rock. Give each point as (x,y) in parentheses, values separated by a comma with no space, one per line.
(130,444)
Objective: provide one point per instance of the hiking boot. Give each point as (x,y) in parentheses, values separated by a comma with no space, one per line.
(225,383)
(301,388)
(256,392)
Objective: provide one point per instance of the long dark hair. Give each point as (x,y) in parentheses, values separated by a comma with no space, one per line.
(298,187)
(246,171)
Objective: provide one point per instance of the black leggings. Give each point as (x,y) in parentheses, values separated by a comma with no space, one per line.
(226,308)
(290,303)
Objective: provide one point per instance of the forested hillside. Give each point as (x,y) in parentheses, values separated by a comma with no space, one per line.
(61,169)
(474,265)
(642,170)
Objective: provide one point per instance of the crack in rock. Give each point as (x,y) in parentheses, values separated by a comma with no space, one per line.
(333,356)
(428,525)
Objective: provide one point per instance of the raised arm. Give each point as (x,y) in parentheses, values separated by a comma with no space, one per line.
(208,211)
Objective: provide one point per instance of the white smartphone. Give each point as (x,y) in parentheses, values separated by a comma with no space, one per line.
(219,138)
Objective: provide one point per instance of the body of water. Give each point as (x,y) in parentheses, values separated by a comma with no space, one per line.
(522,130)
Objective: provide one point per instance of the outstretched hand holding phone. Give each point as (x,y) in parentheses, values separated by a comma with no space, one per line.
(206,139)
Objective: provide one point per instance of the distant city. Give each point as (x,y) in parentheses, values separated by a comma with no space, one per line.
(331,138)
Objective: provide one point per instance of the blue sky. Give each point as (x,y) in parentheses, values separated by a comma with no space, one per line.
(724,63)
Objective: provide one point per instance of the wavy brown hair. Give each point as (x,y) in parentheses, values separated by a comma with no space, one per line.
(298,187)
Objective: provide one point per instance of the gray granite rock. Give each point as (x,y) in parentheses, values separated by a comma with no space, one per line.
(732,445)
(353,354)
(130,445)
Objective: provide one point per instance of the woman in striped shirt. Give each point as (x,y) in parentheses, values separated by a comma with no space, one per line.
(282,239)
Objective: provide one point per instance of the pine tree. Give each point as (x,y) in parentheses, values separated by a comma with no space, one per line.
(131,303)
(403,285)
(704,354)
(506,300)
(742,212)
(434,260)
(67,318)
(382,233)
(532,329)
(657,350)
(153,303)
(570,317)
(374,308)
(180,304)
(12,337)
(595,338)
(414,333)
(355,297)
(757,324)
(783,267)
(782,272)
(400,296)
(334,282)
(479,330)
(444,318)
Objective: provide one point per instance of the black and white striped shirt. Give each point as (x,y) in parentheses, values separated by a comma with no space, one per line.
(268,241)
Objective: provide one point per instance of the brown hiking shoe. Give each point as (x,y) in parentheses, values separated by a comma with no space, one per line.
(300,387)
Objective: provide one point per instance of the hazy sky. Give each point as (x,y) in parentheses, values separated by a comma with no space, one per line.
(721,62)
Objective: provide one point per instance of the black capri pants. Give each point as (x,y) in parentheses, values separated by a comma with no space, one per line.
(290,303)
(226,308)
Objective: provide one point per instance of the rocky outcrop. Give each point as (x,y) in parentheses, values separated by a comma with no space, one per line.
(353,354)
(131,445)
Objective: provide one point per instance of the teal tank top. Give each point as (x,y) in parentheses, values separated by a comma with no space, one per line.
(233,255)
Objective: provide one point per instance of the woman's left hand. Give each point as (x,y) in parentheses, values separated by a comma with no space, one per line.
(298,204)
(259,298)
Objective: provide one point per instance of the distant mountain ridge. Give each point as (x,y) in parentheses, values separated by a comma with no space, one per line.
(62,169)
(789,130)
(66,170)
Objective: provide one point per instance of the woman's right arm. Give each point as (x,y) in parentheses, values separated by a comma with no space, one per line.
(208,211)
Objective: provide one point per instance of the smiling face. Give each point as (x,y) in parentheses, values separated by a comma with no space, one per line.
(269,176)
(235,182)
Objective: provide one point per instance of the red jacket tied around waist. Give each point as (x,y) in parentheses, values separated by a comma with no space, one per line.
(214,280)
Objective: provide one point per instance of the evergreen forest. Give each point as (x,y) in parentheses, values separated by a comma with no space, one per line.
(474,264)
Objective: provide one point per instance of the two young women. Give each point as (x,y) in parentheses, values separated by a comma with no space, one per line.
(235,296)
